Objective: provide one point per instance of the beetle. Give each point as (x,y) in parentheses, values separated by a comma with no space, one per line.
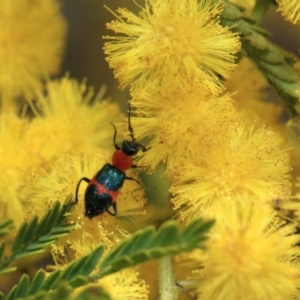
(103,189)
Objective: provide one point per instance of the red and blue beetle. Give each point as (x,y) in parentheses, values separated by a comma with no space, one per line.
(104,188)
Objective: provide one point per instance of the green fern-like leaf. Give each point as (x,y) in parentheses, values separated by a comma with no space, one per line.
(150,244)
(37,282)
(7,270)
(82,267)
(59,282)
(20,290)
(2,249)
(5,227)
(62,292)
(34,236)
(274,63)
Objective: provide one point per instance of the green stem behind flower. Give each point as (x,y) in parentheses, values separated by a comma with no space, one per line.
(167,287)
(260,9)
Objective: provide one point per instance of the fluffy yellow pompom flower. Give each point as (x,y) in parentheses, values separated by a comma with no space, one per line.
(14,163)
(32,36)
(179,126)
(251,255)
(71,120)
(290,9)
(125,285)
(242,163)
(44,187)
(174,44)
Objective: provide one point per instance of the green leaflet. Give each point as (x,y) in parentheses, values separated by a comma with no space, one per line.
(149,244)
(4,228)
(34,236)
(275,63)
(60,283)
(144,245)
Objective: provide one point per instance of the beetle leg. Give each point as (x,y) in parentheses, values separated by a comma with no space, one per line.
(130,178)
(133,166)
(114,205)
(144,149)
(77,189)
(140,184)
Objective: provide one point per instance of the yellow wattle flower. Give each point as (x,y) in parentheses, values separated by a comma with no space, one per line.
(71,119)
(125,285)
(242,164)
(179,126)
(32,41)
(174,45)
(251,255)
(15,164)
(290,9)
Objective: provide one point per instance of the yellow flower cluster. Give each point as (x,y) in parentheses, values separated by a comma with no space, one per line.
(166,45)
(125,285)
(32,40)
(247,246)
(290,9)
(69,140)
(249,168)
(67,136)
(200,111)
(28,145)
(43,157)
(222,161)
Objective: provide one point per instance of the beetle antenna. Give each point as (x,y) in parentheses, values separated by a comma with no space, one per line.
(131,129)
(129,121)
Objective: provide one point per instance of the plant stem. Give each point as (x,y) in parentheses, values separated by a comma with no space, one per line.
(260,9)
(167,287)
